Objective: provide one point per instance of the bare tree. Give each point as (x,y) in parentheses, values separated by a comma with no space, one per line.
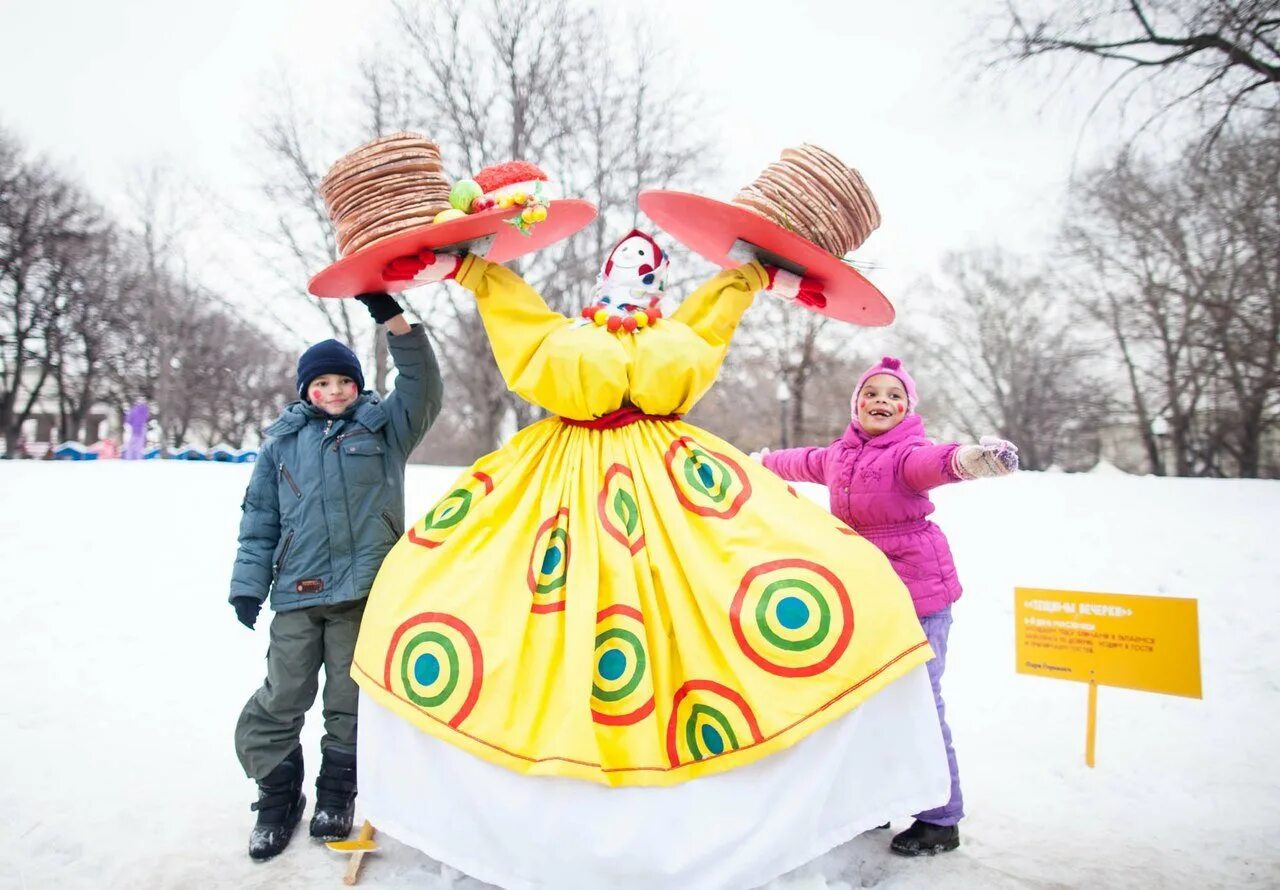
(1221,57)
(1183,268)
(503,80)
(45,222)
(814,360)
(1005,358)
(91,317)
(232,375)
(93,313)
(540,81)
(162,213)
(1239,199)
(801,363)
(297,240)
(1129,232)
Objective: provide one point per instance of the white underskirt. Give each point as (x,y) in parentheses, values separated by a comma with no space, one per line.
(737,829)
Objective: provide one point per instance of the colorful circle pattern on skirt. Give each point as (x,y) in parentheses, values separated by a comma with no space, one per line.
(708,719)
(434,662)
(622,691)
(619,508)
(707,483)
(792,617)
(549,564)
(432,530)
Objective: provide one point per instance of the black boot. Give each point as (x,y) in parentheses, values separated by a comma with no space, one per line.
(280,804)
(335,796)
(926,839)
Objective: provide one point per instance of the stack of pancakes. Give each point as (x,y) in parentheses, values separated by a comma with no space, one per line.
(813,193)
(384,187)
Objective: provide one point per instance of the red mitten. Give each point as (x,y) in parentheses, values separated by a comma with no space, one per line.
(424,267)
(788,286)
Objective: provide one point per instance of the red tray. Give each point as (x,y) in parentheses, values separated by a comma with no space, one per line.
(710,228)
(361,272)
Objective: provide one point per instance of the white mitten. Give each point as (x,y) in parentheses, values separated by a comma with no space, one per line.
(789,287)
(759,455)
(992,456)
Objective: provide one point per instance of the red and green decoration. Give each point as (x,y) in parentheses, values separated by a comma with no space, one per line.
(706,482)
(434,663)
(619,508)
(792,617)
(502,187)
(548,573)
(708,719)
(622,689)
(433,529)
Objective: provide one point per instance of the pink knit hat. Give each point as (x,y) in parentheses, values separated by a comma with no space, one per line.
(892,366)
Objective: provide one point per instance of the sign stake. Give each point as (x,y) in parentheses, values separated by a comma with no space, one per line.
(1091,724)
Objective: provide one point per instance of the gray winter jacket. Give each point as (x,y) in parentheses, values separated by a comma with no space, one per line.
(325,503)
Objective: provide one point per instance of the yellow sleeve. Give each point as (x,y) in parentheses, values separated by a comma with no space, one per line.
(568,369)
(515,316)
(714,309)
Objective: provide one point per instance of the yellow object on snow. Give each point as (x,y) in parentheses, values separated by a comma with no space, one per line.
(640,605)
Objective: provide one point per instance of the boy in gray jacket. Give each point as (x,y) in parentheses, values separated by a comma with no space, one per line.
(323,508)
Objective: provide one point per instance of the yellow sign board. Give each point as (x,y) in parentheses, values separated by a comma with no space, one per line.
(1150,643)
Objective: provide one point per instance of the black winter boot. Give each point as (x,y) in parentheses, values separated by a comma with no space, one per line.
(335,796)
(280,804)
(926,839)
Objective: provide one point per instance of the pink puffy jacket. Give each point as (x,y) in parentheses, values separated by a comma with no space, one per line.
(879,486)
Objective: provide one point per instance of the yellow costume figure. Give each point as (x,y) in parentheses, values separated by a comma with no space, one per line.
(616,595)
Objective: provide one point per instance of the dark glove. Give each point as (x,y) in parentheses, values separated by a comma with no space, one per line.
(247,609)
(382,307)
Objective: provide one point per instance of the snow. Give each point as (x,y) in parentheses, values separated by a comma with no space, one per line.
(125,671)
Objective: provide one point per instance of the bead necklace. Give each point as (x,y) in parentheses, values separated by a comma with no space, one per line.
(637,319)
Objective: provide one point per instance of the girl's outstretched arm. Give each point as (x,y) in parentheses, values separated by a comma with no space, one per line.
(929,466)
(798,464)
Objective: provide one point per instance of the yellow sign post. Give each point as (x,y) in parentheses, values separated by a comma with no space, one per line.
(1149,643)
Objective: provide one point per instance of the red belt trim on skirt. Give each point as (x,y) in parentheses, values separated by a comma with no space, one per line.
(622,417)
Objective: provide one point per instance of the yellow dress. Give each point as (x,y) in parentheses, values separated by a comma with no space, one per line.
(640,605)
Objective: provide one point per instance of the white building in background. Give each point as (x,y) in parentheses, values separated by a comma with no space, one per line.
(41,429)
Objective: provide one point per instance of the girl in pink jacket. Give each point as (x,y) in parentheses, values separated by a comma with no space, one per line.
(878,475)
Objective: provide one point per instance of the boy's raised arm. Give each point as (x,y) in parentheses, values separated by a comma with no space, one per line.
(415,402)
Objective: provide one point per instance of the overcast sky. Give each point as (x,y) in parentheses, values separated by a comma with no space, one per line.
(105,87)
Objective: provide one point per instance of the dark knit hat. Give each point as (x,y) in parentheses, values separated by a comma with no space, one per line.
(328,357)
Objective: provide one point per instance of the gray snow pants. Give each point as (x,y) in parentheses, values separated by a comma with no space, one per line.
(302,641)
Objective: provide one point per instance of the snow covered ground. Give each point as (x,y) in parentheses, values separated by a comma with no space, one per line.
(124,670)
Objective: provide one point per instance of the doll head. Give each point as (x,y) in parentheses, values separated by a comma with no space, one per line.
(636,260)
(631,282)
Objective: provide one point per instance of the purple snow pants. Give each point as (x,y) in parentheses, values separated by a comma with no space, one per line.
(936,627)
